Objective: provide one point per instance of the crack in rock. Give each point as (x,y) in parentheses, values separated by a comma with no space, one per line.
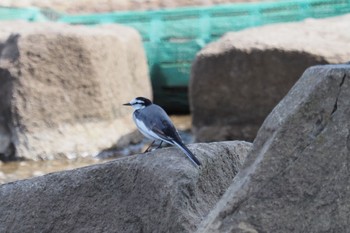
(336,100)
(348,141)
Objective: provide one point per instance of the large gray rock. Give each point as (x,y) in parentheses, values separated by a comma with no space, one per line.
(160,191)
(63,95)
(296,179)
(238,80)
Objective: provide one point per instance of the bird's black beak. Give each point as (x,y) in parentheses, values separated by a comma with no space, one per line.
(127,104)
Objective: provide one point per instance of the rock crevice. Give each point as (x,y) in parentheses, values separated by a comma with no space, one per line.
(336,100)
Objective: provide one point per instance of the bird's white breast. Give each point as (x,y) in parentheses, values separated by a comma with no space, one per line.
(145,130)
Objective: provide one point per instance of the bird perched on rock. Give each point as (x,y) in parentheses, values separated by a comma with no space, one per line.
(154,123)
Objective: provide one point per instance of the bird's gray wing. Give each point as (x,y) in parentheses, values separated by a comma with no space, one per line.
(161,124)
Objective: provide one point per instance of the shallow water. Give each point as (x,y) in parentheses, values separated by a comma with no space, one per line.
(25,169)
(18,170)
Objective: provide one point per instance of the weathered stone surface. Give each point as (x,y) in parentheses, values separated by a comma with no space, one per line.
(296,178)
(237,80)
(64,94)
(161,191)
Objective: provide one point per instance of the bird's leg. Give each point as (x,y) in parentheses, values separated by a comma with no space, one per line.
(149,146)
(159,145)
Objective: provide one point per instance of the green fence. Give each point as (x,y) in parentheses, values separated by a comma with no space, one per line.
(172,37)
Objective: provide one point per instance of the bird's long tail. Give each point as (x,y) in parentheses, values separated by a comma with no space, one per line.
(189,154)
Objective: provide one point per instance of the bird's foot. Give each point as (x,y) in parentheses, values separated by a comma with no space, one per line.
(160,144)
(149,147)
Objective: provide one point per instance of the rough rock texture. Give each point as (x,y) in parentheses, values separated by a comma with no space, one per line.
(63,95)
(296,178)
(161,191)
(237,80)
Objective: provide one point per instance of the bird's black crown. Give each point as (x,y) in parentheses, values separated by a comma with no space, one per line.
(143,101)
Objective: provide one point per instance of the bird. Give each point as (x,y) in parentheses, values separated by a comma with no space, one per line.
(154,123)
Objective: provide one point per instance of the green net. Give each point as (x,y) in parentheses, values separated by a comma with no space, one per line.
(172,37)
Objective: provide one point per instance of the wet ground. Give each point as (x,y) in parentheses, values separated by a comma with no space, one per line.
(13,171)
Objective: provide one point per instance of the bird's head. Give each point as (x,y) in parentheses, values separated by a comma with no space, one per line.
(139,103)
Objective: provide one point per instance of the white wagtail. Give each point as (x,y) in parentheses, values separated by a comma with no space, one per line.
(154,123)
